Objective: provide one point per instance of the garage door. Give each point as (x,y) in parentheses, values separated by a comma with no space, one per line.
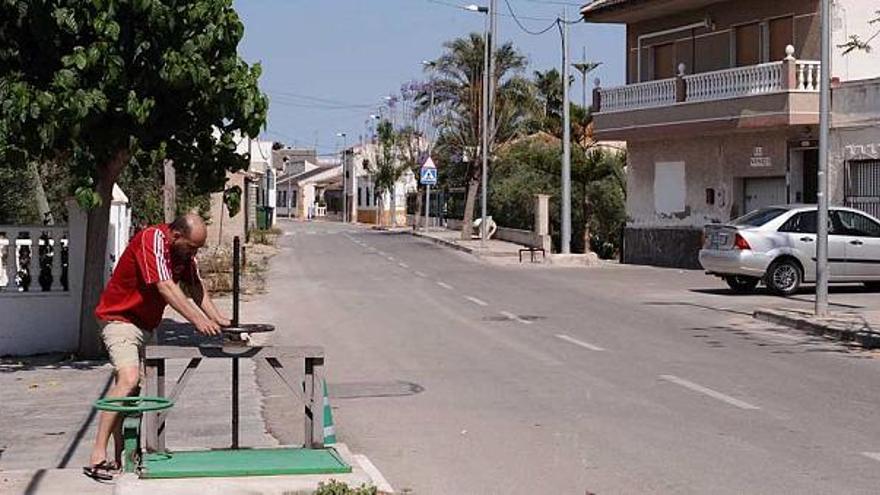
(764,191)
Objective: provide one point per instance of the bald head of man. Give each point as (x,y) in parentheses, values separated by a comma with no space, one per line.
(188,233)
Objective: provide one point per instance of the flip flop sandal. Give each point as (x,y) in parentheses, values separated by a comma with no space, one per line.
(102,471)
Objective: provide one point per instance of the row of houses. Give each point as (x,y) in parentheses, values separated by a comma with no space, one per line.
(720,113)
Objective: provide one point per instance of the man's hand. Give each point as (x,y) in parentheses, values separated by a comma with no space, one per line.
(207,326)
(222,320)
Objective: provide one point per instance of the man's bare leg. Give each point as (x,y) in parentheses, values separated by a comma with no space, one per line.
(127,380)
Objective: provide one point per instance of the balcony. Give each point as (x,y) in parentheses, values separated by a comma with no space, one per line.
(774,94)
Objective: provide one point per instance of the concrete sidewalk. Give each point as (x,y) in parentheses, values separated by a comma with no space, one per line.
(47,424)
(452,238)
(503,251)
(862,327)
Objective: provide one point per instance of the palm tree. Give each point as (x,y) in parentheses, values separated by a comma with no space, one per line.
(458,95)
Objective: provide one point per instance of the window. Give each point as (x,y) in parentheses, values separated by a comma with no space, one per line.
(360,201)
(854,224)
(669,187)
(802,223)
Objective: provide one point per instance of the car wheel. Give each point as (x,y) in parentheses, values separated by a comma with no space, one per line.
(784,277)
(740,284)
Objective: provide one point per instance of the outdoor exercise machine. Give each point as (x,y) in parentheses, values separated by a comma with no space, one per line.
(146,417)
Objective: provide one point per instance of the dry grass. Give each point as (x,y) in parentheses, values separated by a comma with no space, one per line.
(216,269)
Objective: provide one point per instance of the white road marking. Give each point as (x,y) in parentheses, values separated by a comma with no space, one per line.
(585,345)
(872,455)
(445,286)
(476,301)
(511,316)
(379,481)
(708,391)
(421,274)
(403,265)
(390,258)
(382,253)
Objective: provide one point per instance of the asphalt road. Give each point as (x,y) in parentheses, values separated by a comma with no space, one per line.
(458,376)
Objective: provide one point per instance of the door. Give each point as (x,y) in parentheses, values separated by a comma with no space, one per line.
(764,191)
(748,45)
(664,61)
(861,237)
(781,35)
(811,176)
(801,233)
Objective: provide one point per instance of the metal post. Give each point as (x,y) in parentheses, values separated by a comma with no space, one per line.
(566,144)
(427,205)
(236,289)
(235,403)
(487,65)
(236,259)
(822,195)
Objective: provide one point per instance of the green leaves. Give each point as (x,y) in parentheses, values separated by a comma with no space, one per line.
(85,79)
(87,198)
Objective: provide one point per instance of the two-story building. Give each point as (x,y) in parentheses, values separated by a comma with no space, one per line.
(720,111)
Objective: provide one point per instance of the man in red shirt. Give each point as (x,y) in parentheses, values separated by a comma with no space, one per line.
(143,283)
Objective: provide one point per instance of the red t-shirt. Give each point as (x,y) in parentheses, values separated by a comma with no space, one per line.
(131,295)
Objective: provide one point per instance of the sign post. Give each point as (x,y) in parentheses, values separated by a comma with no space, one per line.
(428,178)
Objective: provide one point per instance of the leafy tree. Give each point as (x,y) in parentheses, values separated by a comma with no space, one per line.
(386,168)
(100,84)
(458,95)
(533,165)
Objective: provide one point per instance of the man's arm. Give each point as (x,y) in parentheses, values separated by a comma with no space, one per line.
(178,300)
(204,301)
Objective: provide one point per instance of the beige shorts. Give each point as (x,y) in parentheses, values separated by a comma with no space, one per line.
(125,343)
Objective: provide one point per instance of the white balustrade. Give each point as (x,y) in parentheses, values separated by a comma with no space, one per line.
(710,86)
(807,72)
(732,83)
(637,96)
(14,245)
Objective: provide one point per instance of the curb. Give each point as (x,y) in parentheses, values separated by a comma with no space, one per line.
(446,243)
(830,330)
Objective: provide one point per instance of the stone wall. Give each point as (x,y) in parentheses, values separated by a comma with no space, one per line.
(676,247)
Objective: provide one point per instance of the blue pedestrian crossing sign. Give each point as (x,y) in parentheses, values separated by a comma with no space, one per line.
(428,175)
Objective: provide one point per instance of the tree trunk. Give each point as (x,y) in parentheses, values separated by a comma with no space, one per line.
(40,194)
(393,215)
(588,215)
(467,223)
(90,346)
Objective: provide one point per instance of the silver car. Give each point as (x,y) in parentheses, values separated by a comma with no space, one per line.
(777,245)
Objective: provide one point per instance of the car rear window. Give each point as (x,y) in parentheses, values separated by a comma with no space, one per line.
(758,217)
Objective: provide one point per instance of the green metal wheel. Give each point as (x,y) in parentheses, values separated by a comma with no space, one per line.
(133,404)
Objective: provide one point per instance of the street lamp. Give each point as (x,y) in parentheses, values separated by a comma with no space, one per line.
(431,136)
(344,177)
(488,102)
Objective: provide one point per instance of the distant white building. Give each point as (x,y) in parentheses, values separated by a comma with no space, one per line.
(362,201)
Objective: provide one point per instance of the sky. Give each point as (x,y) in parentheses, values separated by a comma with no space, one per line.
(328,64)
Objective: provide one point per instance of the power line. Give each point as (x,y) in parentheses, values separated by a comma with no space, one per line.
(460,7)
(525,29)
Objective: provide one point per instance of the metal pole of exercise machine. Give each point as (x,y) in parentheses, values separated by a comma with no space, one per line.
(236,261)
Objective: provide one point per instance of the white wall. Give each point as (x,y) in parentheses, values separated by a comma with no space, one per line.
(851,18)
(41,322)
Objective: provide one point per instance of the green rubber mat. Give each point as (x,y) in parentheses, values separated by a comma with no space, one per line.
(243,462)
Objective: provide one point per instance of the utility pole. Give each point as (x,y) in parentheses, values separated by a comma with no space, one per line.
(484,117)
(566,143)
(822,195)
